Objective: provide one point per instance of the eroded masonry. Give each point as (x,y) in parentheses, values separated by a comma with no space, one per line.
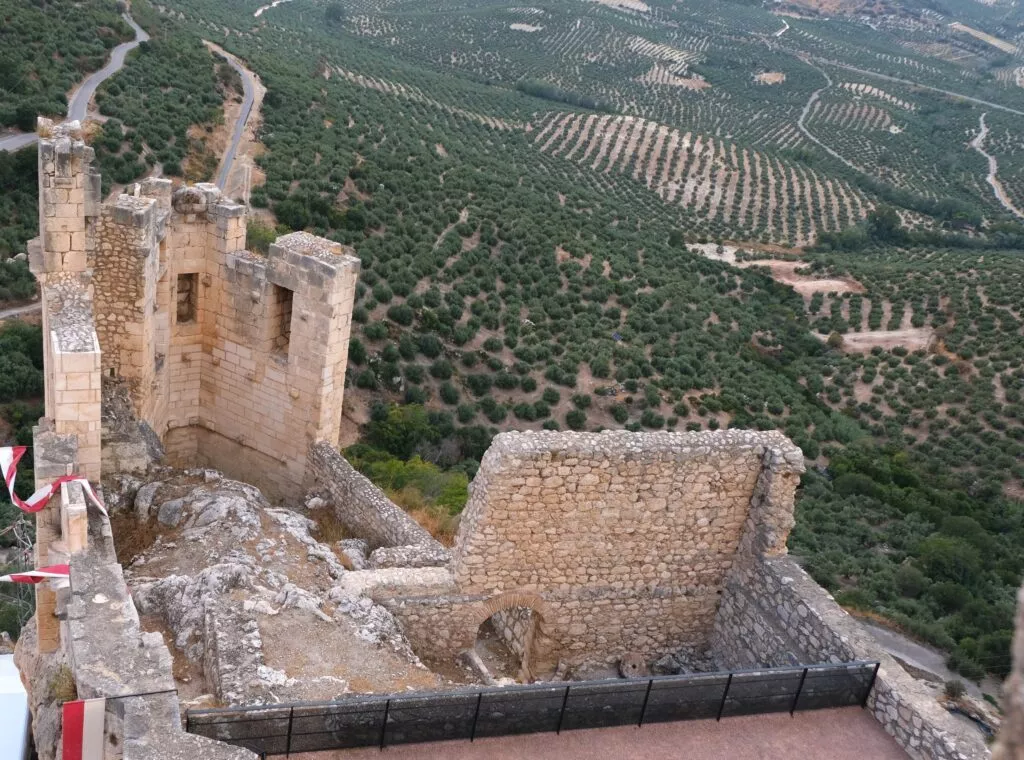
(203,385)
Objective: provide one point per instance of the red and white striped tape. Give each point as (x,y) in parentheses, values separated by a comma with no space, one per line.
(9,458)
(38,576)
(82,730)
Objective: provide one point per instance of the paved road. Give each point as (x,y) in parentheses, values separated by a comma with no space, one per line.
(248,94)
(78,106)
(888,78)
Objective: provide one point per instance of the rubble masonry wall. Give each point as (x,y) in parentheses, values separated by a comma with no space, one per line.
(619,542)
(773,613)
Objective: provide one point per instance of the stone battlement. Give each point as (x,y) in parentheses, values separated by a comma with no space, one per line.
(234,359)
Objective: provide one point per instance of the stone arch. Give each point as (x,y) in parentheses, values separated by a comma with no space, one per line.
(527,639)
(504,601)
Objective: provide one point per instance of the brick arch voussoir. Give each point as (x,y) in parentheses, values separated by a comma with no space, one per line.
(507,600)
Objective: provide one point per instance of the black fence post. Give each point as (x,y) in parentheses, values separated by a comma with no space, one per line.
(871,685)
(796,697)
(384,724)
(476,716)
(561,715)
(725,694)
(647,695)
(288,746)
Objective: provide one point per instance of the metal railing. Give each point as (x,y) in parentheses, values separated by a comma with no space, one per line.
(519,709)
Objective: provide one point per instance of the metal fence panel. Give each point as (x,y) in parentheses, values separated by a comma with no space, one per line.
(604,704)
(264,731)
(759,692)
(337,725)
(688,698)
(428,718)
(835,686)
(521,709)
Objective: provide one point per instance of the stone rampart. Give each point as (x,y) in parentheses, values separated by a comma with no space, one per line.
(773,613)
(395,538)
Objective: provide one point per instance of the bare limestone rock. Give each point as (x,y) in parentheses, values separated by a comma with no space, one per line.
(46,678)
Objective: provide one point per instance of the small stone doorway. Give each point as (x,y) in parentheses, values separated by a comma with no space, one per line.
(505,643)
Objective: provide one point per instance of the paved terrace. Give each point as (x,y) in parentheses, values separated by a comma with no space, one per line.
(847,733)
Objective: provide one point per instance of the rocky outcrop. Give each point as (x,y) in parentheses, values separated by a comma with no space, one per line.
(47,679)
(234,581)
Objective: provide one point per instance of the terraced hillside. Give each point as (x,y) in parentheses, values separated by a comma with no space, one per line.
(585,215)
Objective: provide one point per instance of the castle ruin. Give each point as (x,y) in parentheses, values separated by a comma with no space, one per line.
(609,547)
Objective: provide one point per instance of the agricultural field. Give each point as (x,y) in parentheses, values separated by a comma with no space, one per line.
(654,215)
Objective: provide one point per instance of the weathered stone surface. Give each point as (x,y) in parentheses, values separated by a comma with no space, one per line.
(366,512)
(619,542)
(772,613)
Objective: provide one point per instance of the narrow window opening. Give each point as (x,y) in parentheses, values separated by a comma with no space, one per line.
(188,297)
(281,316)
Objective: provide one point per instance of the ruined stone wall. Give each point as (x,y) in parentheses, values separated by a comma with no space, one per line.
(619,542)
(251,350)
(359,505)
(514,627)
(773,613)
(274,383)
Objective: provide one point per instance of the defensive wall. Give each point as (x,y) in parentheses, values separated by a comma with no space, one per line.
(579,547)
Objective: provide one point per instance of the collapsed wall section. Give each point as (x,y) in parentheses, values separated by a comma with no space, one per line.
(395,539)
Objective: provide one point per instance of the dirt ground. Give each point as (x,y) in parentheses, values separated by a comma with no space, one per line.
(840,734)
(912,339)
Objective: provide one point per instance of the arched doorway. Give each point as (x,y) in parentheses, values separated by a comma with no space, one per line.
(510,638)
(504,643)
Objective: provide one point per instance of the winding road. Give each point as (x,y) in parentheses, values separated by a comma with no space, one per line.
(978,144)
(78,106)
(911,83)
(248,97)
(17,311)
(807,109)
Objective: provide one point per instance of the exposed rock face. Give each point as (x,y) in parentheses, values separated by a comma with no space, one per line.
(237,584)
(40,673)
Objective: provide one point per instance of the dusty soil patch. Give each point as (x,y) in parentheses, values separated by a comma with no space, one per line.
(629,5)
(805,285)
(782,270)
(912,339)
(307,648)
(770,77)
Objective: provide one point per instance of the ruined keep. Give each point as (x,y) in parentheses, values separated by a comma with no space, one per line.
(614,547)
(235,360)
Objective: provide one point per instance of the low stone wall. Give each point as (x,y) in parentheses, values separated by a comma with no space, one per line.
(773,613)
(397,539)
